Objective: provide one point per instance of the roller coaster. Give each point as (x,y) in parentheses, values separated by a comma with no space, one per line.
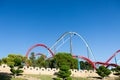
(90,57)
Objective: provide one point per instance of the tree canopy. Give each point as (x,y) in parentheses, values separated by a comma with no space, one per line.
(15,62)
(67,59)
(64,72)
(103,71)
(12,58)
(84,65)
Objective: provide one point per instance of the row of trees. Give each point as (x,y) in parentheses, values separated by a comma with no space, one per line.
(57,60)
(41,61)
(54,62)
(63,61)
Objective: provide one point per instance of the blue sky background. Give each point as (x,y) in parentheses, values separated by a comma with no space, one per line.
(24,23)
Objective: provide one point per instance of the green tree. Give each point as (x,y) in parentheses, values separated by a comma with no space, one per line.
(40,62)
(47,61)
(116,70)
(85,65)
(28,62)
(4,60)
(50,63)
(103,71)
(65,58)
(16,68)
(64,72)
(9,60)
(15,62)
(32,59)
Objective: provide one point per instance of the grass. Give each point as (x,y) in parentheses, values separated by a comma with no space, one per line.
(17,79)
(48,77)
(79,78)
(42,77)
(5,76)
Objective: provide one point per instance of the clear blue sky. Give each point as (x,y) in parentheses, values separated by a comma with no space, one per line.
(24,23)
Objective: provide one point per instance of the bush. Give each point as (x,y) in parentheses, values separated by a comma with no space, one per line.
(15,69)
(65,58)
(103,71)
(64,72)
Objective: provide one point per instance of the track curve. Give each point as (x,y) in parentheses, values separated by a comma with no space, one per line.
(106,64)
(40,54)
(36,45)
(84,58)
(118,51)
(75,33)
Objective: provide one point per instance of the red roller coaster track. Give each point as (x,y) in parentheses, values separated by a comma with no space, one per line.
(118,51)
(84,58)
(36,45)
(107,63)
(40,54)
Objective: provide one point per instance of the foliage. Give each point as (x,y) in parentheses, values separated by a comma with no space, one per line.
(40,61)
(65,58)
(116,70)
(69,78)
(9,60)
(15,62)
(64,72)
(85,65)
(32,59)
(51,63)
(57,78)
(28,62)
(64,61)
(4,60)
(55,62)
(103,71)
(15,69)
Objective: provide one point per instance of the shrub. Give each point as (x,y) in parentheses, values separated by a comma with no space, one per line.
(103,71)
(15,69)
(64,72)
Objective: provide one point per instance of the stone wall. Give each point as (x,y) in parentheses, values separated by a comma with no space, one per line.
(49,71)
